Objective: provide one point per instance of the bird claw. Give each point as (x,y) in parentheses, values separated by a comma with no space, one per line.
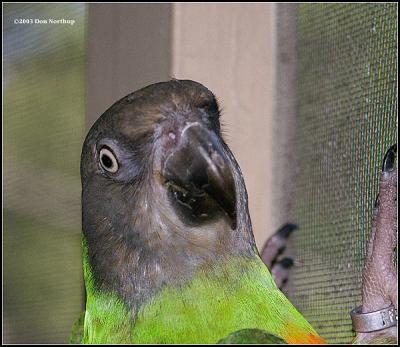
(272,254)
(389,159)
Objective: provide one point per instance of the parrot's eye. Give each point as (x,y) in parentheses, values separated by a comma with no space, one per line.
(108,161)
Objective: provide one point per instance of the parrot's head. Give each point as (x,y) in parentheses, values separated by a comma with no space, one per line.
(160,187)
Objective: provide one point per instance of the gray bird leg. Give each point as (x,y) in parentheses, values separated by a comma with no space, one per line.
(379,288)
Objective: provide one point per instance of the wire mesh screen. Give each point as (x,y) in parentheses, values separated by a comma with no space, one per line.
(347,104)
(44,122)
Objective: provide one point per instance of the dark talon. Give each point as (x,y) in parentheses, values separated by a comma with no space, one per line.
(286,230)
(376,204)
(286,262)
(280,271)
(389,159)
(284,281)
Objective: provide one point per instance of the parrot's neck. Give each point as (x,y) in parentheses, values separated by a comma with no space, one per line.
(138,270)
(238,293)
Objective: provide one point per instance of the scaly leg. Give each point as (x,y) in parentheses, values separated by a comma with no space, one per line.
(379,289)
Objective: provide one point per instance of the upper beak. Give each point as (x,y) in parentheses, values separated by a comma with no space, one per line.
(198,164)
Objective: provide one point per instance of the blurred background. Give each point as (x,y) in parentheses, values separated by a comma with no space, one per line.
(309,99)
(44,126)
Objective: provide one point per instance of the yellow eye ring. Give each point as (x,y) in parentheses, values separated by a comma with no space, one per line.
(108,161)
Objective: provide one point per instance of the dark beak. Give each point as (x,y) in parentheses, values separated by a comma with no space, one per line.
(199,173)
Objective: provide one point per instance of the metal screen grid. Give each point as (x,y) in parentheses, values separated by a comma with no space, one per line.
(347,114)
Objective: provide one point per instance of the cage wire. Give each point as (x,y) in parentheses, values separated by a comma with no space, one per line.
(44,125)
(347,119)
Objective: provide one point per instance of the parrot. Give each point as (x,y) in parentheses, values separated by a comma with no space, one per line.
(169,255)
